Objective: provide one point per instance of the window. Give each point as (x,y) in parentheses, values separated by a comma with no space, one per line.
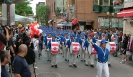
(73,2)
(104,22)
(106,2)
(95,2)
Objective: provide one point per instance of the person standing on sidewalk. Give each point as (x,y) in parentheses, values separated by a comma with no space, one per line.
(124,48)
(21,68)
(5,59)
(30,57)
(102,62)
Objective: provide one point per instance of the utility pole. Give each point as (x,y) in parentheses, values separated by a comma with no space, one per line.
(8,2)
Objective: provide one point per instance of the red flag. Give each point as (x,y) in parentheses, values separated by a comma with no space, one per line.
(75,21)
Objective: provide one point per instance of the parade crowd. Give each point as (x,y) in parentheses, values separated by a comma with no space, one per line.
(25,50)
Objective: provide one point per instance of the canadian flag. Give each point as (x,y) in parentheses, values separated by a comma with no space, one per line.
(54,47)
(93,51)
(75,47)
(112,47)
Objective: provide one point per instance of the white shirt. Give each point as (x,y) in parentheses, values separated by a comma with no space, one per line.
(35,42)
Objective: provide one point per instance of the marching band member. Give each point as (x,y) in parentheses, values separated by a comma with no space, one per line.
(78,39)
(71,55)
(53,56)
(66,52)
(103,36)
(107,39)
(61,44)
(102,63)
(91,55)
(83,39)
(48,51)
(85,48)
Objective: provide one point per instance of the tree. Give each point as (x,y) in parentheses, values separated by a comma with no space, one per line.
(57,11)
(42,13)
(23,8)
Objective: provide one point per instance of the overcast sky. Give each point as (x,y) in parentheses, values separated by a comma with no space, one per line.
(33,5)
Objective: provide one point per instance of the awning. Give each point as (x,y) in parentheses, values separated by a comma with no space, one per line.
(125,13)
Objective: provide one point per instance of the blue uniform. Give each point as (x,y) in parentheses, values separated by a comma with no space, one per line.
(101,52)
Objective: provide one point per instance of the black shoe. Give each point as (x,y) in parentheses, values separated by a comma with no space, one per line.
(70,65)
(75,65)
(86,64)
(68,60)
(50,60)
(109,65)
(92,66)
(65,59)
(81,60)
(52,66)
(77,56)
(56,66)
(47,60)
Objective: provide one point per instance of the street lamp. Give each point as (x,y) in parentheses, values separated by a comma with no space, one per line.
(109,16)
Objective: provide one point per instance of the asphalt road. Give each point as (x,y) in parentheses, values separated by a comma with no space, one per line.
(63,70)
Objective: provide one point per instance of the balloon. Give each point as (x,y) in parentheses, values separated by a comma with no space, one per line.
(37,31)
(35,22)
(40,31)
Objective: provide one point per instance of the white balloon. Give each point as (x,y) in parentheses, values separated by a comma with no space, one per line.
(40,31)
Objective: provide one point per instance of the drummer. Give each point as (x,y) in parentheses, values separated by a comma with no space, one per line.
(53,56)
(71,55)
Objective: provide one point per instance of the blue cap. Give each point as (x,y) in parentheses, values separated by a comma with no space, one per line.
(53,34)
(88,35)
(78,35)
(106,34)
(71,35)
(103,41)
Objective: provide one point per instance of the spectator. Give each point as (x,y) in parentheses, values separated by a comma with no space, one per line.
(18,43)
(30,57)
(21,68)
(124,47)
(26,37)
(40,46)
(4,38)
(116,30)
(36,45)
(5,59)
(11,45)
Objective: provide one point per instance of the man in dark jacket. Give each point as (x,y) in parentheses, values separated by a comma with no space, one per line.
(30,57)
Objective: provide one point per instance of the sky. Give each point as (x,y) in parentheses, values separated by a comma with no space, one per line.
(33,5)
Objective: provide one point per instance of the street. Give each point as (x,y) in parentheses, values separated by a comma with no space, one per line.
(63,70)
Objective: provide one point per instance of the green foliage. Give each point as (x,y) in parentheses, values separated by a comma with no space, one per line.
(23,8)
(8,1)
(57,11)
(42,13)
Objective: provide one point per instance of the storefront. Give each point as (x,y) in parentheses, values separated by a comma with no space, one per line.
(104,22)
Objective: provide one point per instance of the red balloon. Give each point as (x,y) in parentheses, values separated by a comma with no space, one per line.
(37,31)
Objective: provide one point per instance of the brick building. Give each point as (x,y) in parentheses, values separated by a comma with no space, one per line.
(51,4)
(93,14)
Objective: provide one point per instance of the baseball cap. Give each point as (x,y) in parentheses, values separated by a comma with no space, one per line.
(103,41)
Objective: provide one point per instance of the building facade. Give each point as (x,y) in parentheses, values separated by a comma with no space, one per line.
(93,14)
(51,4)
(128,22)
